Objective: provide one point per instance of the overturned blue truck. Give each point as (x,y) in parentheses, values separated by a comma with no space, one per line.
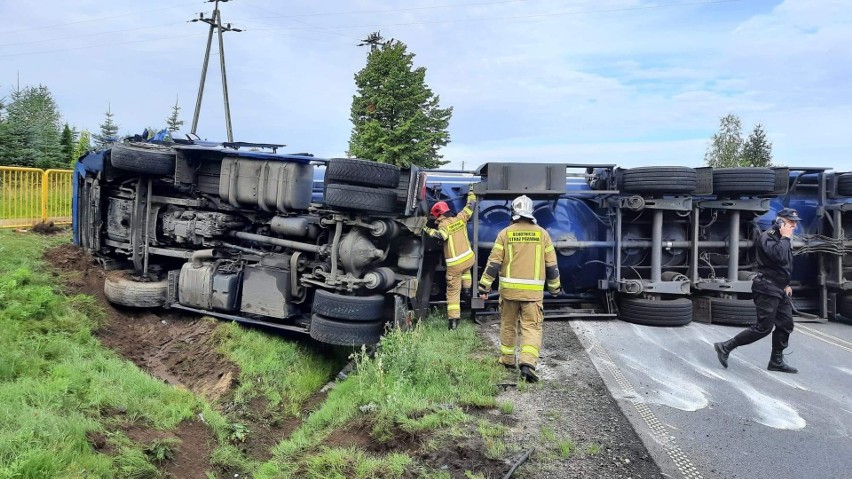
(335,248)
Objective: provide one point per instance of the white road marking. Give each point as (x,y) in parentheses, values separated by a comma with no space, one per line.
(658,431)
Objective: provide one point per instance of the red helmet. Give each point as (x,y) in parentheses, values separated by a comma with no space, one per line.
(440,208)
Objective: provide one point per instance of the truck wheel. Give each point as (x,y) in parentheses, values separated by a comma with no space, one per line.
(120,288)
(351,308)
(674,312)
(733,312)
(659,179)
(844,184)
(743,180)
(361,198)
(844,308)
(344,333)
(143,158)
(361,172)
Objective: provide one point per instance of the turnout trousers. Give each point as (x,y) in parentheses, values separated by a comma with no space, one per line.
(520,325)
(458,277)
(771,311)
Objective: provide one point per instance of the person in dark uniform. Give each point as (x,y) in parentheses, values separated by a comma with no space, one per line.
(771,290)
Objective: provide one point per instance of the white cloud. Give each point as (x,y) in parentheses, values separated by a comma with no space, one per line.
(598,81)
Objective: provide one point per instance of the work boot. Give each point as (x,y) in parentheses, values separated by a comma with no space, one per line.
(776,363)
(723,350)
(528,373)
(453,324)
(465,294)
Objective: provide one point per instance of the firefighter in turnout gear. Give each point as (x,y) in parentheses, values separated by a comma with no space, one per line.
(458,255)
(524,259)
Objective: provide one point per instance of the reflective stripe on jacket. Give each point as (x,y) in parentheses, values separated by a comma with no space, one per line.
(453,230)
(524,259)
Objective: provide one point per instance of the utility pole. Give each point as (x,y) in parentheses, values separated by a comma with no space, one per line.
(215,23)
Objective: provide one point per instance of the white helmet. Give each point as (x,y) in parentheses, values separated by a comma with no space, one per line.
(522,206)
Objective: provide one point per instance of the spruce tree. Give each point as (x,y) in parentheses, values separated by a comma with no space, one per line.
(67,142)
(757,150)
(396,118)
(109,130)
(173,122)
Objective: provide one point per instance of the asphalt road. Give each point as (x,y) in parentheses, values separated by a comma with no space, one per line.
(700,420)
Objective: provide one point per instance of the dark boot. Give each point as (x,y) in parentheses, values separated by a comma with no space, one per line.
(776,363)
(528,373)
(465,295)
(723,350)
(453,324)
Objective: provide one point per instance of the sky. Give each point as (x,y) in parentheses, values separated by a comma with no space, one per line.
(626,82)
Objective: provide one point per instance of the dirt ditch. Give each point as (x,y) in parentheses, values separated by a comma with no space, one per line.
(570,418)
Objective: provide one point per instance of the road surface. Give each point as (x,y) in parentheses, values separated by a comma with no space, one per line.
(700,420)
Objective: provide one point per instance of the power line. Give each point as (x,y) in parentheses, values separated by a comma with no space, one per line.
(89,35)
(525,17)
(129,14)
(97,46)
(408,9)
(313,27)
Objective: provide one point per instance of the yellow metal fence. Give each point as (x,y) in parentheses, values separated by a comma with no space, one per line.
(30,195)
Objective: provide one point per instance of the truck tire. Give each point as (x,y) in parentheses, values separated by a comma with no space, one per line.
(344,333)
(659,179)
(349,308)
(844,184)
(361,198)
(733,312)
(120,288)
(361,172)
(743,180)
(674,312)
(844,308)
(143,158)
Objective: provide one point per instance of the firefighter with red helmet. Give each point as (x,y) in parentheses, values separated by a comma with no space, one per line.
(524,259)
(458,254)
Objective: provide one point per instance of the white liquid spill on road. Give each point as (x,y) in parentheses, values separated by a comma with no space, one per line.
(668,389)
(771,411)
(843,370)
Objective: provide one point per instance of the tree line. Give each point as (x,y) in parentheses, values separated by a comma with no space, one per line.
(33,134)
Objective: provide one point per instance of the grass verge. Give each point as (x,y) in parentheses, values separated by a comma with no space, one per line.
(416,383)
(58,385)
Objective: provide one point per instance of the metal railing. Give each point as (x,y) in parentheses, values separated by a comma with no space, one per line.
(29,196)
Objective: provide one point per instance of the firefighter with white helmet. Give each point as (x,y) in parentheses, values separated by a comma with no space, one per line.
(524,258)
(458,255)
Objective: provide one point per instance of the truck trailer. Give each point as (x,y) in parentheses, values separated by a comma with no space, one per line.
(335,247)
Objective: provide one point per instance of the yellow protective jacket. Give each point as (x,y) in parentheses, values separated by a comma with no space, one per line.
(525,260)
(453,231)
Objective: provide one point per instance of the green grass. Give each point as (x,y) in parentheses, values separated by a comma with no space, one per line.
(57,382)
(418,381)
(286,373)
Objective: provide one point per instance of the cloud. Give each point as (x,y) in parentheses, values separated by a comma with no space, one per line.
(626,81)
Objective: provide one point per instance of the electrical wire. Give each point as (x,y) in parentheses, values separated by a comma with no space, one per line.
(528,17)
(129,14)
(822,244)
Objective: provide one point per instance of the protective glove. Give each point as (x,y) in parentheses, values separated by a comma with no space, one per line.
(554,292)
(483,292)
(430,231)
(470,196)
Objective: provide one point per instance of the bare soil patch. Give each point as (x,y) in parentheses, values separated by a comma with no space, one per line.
(178,349)
(570,410)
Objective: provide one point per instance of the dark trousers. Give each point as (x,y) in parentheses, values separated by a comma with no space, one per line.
(771,311)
